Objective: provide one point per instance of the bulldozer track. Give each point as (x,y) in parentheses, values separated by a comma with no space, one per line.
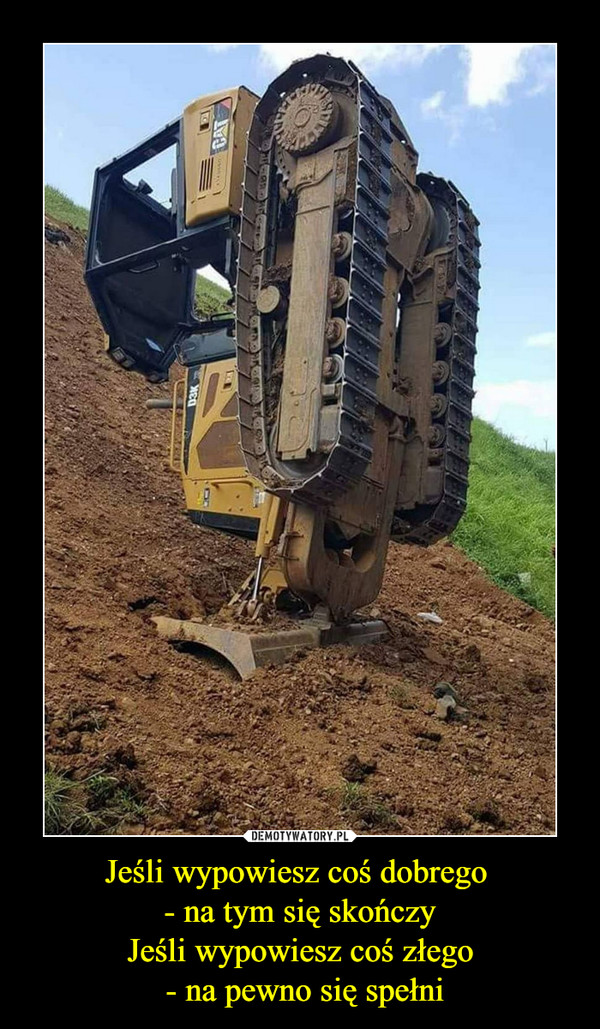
(349,458)
(458,309)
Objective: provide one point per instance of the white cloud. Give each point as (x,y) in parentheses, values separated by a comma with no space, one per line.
(491,67)
(366,55)
(538,398)
(542,339)
(432,103)
(541,62)
(494,67)
(452,117)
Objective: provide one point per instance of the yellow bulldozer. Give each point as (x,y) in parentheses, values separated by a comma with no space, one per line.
(329,412)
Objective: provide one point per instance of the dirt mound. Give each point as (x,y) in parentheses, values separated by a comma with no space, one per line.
(189,747)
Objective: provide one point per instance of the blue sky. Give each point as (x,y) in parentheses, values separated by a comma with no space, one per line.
(480,114)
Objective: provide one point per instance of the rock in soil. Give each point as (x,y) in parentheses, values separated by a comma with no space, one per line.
(355,770)
(444,707)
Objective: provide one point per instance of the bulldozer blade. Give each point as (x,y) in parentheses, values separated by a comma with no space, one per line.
(249,651)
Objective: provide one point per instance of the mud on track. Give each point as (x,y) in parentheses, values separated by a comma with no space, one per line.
(203,753)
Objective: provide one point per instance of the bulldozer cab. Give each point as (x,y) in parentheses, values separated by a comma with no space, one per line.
(141,259)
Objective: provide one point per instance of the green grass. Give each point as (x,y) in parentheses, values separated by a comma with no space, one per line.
(57,790)
(509,526)
(59,206)
(99,804)
(211,299)
(65,810)
(363,809)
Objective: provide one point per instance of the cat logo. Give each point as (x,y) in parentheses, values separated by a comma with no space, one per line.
(219,143)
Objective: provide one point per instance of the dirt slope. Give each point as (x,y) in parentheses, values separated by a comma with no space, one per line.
(201,752)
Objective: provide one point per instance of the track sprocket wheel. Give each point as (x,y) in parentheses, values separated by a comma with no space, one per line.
(305,119)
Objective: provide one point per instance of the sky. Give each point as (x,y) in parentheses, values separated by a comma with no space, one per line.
(480,114)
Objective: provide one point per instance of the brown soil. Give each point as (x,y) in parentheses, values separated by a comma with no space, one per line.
(202,752)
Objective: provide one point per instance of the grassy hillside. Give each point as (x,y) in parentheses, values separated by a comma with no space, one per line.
(63,209)
(509,525)
(210,298)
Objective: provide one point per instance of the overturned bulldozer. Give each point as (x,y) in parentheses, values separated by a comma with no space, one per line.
(330,412)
